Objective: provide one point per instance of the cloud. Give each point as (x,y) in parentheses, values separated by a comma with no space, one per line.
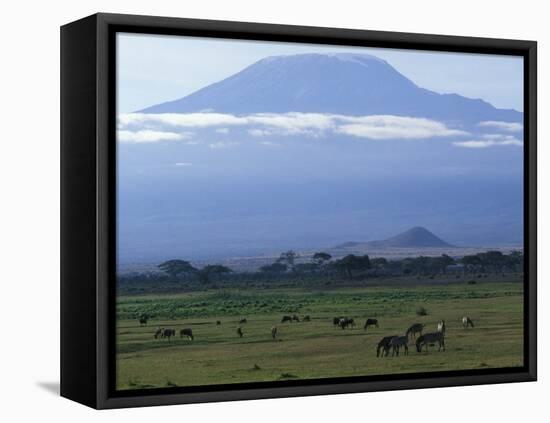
(222,144)
(395,127)
(378,127)
(504,126)
(184,164)
(488,143)
(148,136)
(269,144)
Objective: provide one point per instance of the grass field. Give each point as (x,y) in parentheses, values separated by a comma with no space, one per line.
(313,349)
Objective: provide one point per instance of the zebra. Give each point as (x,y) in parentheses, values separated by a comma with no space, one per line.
(430,338)
(383,347)
(370,322)
(398,342)
(441,326)
(414,329)
(187,332)
(466,321)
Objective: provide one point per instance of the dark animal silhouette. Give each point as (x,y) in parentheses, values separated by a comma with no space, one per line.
(370,322)
(306,318)
(345,322)
(295,318)
(414,329)
(168,333)
(466,321)
(158,332)
(383,347)
(274,332)
(218,322)
(286,319)
(336,321)
(143,321)
(430,339)
(441,327)
(187,332)
(240,332)
(242,321)
(399,342)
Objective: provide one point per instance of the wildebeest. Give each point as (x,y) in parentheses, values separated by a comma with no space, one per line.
(168,333)
(306,318)
(345,322)
(218,322)
(466,321)
(383,347)
(286,319)
(336,321)
(240,332)
(398,342)
(274,332)
(370,322)
(187,332)
(295,318)
(158,332)
(242,321)
(143,320)
(441,326)
(414,329)
(429,339)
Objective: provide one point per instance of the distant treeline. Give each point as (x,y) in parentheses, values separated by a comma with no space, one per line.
(292,270)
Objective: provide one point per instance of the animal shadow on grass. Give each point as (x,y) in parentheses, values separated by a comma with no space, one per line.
(51,387)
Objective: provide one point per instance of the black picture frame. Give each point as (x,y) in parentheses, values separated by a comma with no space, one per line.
(88,204)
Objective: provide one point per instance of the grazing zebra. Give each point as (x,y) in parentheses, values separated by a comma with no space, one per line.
(414,329)
(274,332)
(286,319)
(430,338)
(168,333)
(143,320)
(441,326)
(187,332)
(240,332)
(158,332)
(383,348)
(306,318)
(398,342)
(466,321)
(370,322)
(242,321)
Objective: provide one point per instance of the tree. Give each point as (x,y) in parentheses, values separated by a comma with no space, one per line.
(352,263)
(274,268)
(288,257)
(212,269)
(176,267)
(321,258)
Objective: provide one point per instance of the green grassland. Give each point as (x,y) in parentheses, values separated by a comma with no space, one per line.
(314,349)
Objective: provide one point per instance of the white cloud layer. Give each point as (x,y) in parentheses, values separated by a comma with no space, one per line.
(485,143)
(503,126)
(147,136)
(380,127)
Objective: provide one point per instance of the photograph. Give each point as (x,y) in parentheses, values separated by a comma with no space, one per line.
(297,212)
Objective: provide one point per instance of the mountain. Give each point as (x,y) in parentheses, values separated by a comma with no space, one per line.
(342,83)
(417,237)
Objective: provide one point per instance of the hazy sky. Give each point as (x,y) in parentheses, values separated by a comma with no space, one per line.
(157,68)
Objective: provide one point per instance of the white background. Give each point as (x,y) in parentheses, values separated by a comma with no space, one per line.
(29,209)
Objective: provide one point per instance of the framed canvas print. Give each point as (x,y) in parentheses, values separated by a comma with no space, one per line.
(255,211)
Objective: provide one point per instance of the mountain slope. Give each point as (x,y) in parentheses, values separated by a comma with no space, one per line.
(342,83)
(417,237)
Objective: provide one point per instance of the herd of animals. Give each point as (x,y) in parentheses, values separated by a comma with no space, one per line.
(392,343)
